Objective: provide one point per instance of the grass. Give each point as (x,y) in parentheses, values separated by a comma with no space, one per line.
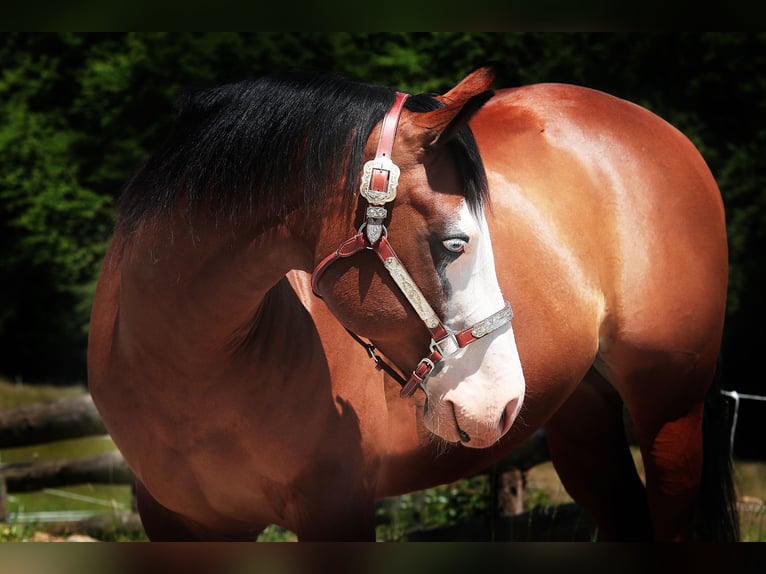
(64,449)
(751,492)
(444,504)
(14,395)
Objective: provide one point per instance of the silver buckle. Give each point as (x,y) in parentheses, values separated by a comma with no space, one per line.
(379,197)
(428,363)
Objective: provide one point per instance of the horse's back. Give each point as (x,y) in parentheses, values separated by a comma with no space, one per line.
(618,204)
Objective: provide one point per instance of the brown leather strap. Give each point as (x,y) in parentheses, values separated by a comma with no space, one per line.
(388,127)
(346,249)
(379,180)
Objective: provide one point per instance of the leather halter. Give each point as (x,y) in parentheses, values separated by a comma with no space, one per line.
(380,177)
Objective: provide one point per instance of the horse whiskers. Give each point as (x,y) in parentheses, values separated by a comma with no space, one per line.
(428,437)
(440,445)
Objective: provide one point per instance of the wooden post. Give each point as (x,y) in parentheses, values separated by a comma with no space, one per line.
(3,500)
(510,493)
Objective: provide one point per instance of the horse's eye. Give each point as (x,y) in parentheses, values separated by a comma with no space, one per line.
(455,244)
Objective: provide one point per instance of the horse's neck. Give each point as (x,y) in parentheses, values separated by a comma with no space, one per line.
(203,291)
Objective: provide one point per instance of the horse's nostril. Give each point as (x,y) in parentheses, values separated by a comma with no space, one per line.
(464,436)
(506,419)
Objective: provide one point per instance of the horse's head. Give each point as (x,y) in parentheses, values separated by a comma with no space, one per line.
(433,306)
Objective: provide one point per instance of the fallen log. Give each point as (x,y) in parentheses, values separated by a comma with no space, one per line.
(39,423)
(109,468)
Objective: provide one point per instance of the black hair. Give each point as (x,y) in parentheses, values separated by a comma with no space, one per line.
(235,149)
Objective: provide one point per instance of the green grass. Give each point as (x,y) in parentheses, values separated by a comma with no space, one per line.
(14,395)
(96,497)
(750,478)
(65,449)
(10,532)
(448,503)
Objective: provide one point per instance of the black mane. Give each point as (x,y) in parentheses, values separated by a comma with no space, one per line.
(236,149)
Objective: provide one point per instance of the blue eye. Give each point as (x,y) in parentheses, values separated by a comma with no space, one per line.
(455,244)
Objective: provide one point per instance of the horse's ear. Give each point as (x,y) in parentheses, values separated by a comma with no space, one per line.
(474,83)
(461,103)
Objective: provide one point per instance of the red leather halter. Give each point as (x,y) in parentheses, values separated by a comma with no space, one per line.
(380,177)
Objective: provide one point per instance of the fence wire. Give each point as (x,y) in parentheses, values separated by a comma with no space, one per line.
(736,397)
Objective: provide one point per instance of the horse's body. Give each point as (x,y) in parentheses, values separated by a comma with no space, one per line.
(239,400)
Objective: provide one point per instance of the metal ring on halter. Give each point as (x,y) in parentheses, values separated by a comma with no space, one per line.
(447,346)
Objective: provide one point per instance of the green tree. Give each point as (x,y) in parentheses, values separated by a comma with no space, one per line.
(53,226)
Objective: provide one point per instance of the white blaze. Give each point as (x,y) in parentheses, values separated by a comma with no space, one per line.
(471,390)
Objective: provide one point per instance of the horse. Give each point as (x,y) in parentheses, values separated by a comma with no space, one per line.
(545,256)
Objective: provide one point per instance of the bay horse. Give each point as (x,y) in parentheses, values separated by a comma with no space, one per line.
(540,256)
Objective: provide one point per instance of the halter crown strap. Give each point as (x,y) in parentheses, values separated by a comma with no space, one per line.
(380,176)
(388,127)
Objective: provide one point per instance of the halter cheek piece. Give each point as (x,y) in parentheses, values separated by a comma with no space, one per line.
(380,177)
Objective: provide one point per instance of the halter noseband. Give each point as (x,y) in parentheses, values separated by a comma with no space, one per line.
(380,177)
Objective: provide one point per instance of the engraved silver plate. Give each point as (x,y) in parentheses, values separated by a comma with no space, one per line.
(376,212)
(373,230)
(379,197)
(411,292)
(493,322)
(374,227)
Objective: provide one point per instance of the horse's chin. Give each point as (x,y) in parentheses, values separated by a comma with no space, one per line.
(476,442)
(439,444)
(445,443)
(446,435)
